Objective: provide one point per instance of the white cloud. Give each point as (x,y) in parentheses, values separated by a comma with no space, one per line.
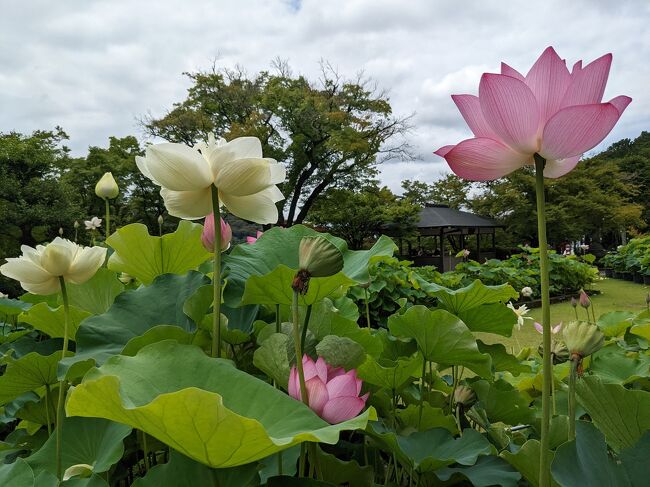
(94,66)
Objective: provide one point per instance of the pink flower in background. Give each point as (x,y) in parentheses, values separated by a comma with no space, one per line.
(252,240)
(333,393)
(584,300)
(552,112)
(554,330)
(207,236)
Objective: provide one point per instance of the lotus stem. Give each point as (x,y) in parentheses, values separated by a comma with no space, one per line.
(59,405)
(277,319)
(305,327)
(108,217)
(547,363)
(145,448)
(573,375)
(365,290)
(47,409)
(424,372)
(297,341)
(216,275)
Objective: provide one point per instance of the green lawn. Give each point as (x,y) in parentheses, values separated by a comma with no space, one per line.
(616,295)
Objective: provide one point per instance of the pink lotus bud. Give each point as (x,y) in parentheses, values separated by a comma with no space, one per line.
(333,393)
(584,299)
(252,240)
(207,237)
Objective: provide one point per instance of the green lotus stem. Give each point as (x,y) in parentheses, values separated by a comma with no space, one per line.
(216,275)
(278,325)
(424,372)
(553,395)
(108,218)
(145,448)
(573,375)
(47,409)
(279,463)
(59,405)
(547,364)
(305,327)
(296,342)
(453,388)
(365,290)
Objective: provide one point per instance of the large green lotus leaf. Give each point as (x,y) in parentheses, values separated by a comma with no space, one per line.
(13,336)
(341,472)
(494,318)
(442,337)
(622,415)
(272,358)
(134,313)
(502,361)
(279,246)
(613,365)
(526,461)
(270,467)
(85,441)
(52,321)
(488,471)
(641,325)
(203,407)
(431,418)
(97,294)
(327,320)
(341,352)
(433,449)
(28,373)
(20,474)
(615,323)
(476,294)
(585,461)
(390,374)
(286,481)
(144,256)
(275,287)
(502,402)
(180,470)
(12,307)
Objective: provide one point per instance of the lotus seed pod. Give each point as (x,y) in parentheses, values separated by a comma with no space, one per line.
(319,257)
(582,338)
(464,395)
(559,352)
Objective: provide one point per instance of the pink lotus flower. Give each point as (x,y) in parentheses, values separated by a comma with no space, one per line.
(333,393)
(554,330)
(552,112)
(207,236)
(252,240)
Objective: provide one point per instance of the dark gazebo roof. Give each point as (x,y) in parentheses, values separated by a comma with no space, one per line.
(438,216)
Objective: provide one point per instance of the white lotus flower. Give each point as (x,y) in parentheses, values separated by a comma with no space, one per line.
(39,269)
(93,224)
(521,313)
(3,295)
(246,181)
(527,292)
(106,188)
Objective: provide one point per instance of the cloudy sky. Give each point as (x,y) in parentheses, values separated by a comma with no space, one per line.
(94,67)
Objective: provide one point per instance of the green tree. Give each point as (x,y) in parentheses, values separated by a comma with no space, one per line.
(330,133)
(449,190)
(362,215)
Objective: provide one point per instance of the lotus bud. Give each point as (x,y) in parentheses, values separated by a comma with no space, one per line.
(252,240)
(160,220)
(584,299)
(207,236)
(76,224)
(582,339)
(574,302)
(125,278)
(526,292)
(60,231)
(464,395)
(106,188)
(318,257)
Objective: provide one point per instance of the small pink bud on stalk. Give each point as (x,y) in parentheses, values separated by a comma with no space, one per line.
(207,237)
(584,299)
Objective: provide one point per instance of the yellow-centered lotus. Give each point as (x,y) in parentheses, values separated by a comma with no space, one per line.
(39,269)
(245,180)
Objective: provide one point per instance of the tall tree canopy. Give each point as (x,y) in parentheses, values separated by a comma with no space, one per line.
(449,190)
(330,133)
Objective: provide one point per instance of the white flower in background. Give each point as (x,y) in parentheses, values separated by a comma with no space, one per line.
(584,247)
(246,181)
(39,269)
(526,292)
(521,313)
(93,224)
(3,295)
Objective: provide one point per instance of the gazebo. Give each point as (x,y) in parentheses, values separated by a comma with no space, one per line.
(442,232)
